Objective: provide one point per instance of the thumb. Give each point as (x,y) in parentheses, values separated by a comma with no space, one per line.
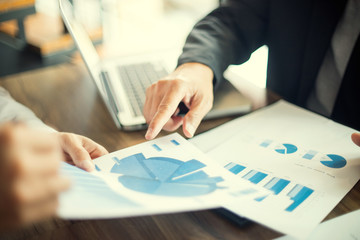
(355,137)
(79,155)
(81,158)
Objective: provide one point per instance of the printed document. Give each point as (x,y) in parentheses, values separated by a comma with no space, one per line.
(306,161)
(165,175)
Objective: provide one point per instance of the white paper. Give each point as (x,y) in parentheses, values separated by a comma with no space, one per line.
(165,175)
(308,161)
(345,227)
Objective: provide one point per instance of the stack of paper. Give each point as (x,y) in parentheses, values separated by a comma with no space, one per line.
(281,166)
(308,162)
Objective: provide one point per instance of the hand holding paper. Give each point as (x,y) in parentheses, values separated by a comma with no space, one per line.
(80,150)
(29,164)
(160,176)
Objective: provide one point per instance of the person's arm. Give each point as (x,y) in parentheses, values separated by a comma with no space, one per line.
(12,111)
(226,36)
(30,156)
(29,171)
(78,150)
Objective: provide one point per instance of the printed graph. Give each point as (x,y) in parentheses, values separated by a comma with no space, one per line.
(286,148)
(234,168)
(93,188)
(164,176)
(333,161)
(298,194)
(255,176)
(328,160)
(276,185)
(310,154)
(265,143)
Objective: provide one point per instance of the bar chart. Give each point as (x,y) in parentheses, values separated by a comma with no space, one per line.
(234,168)
(276,185)
(298,194)
(310,154)
(255,176)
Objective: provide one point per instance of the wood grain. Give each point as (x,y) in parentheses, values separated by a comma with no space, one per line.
(64,97)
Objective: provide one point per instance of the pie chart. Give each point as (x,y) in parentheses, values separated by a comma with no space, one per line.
(333,161)
(286,148)
(164,176)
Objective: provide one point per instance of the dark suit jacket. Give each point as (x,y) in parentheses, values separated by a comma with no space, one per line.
(297,32)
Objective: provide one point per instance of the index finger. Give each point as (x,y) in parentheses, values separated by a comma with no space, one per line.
(166,109)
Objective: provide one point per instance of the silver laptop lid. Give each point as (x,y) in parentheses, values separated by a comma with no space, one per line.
(82,40)
(89,55)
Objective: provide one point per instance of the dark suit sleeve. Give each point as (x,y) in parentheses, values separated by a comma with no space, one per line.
(228,35)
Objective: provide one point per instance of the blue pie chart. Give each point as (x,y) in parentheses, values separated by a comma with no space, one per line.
(333,161)
(164,176)
(286,148)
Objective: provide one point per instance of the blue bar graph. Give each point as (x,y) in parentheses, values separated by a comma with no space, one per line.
(259,199)
(175,142)
(310,154)
(298,194)
(116,160)
(234,168)
(97,168)
(157,147)
(265,143)
(276,185)
(255,176)
(244,192)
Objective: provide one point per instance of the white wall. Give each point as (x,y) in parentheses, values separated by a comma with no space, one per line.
(139,25)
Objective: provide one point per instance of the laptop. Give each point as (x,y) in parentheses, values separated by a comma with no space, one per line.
(122,82)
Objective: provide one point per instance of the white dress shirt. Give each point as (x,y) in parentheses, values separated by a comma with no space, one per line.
(10,110)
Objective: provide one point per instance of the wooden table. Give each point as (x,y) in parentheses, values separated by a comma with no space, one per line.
(17,10)
(63,96)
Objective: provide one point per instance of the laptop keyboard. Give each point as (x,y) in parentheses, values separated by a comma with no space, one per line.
(135,79)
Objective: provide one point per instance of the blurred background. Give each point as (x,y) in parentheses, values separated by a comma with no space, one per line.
(32,34)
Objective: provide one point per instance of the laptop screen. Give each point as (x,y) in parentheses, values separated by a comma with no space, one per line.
(88,53)
(82,39)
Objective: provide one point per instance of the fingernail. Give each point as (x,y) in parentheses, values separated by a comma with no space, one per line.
(88,165)
(148,134)
(190,129)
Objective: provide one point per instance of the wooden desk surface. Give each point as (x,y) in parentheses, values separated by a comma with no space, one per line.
(8,5)
(64,97)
